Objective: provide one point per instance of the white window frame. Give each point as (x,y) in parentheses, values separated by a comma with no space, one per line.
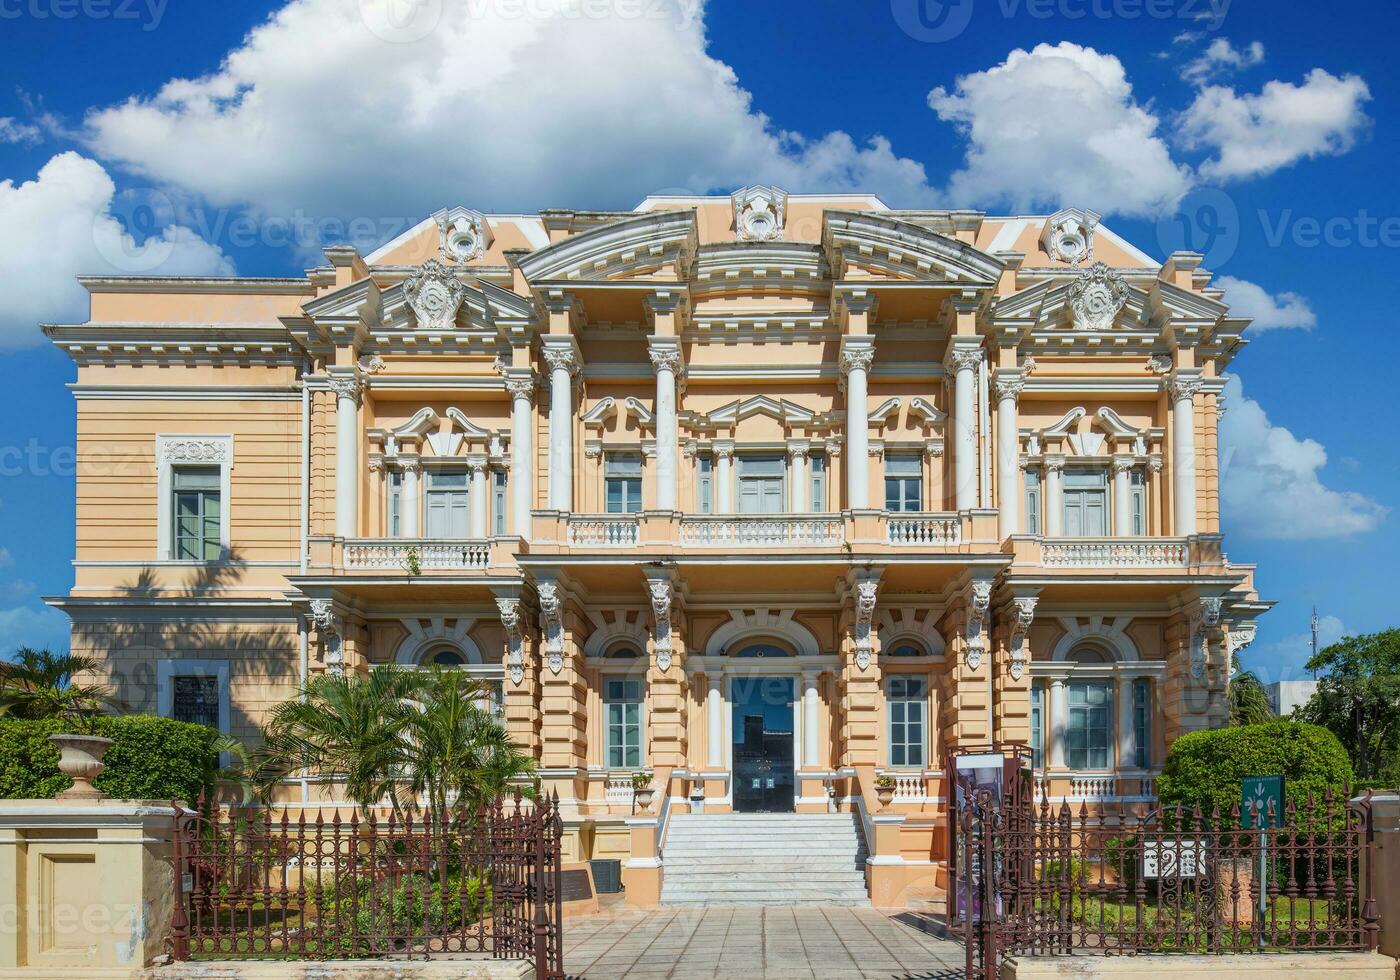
(1109,729)
(191,450)
(922,678)
(816,472)
(621,673)
(168,670)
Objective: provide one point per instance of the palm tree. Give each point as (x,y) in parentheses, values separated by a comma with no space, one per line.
(39,684)
(1249,704)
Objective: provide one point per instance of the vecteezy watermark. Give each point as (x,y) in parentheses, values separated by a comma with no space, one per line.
(148,13)
(1360,230)
(933,21)
(1205,221)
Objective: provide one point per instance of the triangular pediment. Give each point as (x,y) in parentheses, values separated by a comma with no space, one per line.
(780,409)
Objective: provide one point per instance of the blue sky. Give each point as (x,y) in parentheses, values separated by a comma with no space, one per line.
(211,138)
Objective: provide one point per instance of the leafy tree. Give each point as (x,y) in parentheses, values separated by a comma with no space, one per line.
(1358,698)
(1249,704)
(39,684)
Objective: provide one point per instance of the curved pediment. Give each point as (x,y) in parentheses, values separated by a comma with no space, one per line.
(618,250)
(903,250)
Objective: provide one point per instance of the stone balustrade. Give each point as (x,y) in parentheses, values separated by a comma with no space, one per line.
(778,531)
(430,553)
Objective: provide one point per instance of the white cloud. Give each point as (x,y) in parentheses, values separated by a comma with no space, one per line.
(1221,57)
(61,225)
(7,560)
(1271,485)
(501,106)
(33,624)
(1286,658)
(1058,125)
(18,132)
(1252,135)
(1269,311)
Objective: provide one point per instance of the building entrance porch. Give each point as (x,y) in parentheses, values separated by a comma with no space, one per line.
(764,743)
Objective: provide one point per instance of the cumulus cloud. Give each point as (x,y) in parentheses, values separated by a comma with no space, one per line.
(33,624)
(63,224)
(12,131)
(1269,311)
(1252,135)
(1271,481)
(1058,125)
(343,108)
(1221,57)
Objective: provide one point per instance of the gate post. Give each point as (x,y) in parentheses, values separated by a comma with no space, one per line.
(1380,872)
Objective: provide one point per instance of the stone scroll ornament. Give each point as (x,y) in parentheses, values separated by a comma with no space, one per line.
(328,625)
(661,612)
(976,620)
(1201,624)
(552,626)
(515,639)
(865,614)
(1096,296)
(436,294)
(1025,615)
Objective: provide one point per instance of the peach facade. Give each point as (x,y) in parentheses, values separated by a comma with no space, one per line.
(895,483)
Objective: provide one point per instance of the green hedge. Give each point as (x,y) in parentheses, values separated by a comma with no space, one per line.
(151,758)
(1206,768)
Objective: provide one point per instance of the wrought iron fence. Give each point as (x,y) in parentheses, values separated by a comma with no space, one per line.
(333,886)
(1121,880)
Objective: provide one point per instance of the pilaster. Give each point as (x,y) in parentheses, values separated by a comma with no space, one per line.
(563,686)
(1011,671)
(522,675)
(965,717)
(667,689)
(859,681)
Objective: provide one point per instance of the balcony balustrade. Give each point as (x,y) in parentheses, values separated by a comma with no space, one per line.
(924,530)
(777,531)
(603,531)
(429,554)
(1114,553)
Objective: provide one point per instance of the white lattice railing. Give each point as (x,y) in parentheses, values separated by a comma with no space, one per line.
(1113,553)
(598,531)
(402,553)
(924,529)
(619,790)
(779,531)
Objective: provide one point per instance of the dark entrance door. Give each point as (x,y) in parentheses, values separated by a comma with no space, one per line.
(763,739)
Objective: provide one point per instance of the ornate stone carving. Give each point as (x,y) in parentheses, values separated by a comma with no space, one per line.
(857,359)
(1068,235)
(436,294)
(665,358)
(327,623)
(194,450)
(1241,635)
(521,387)
(865,614)
(661,594)
(965,359)
(1020,627)
(758,213)
(1160,363)
(1123,464)
(462,234)
(1210,610)
(1096,296)
(1198,653)
(371,363)
(1054,464)
(723,450)
(349,386)
(978,604)
(552,625)
(833,448)
(515,639)
(376,464)
(1183,386)
(934,447)
(1008,387)
(1156,464)
(561,358)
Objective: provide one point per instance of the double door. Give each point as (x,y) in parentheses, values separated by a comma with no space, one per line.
(764,758)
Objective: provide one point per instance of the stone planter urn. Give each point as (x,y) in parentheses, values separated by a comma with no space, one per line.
(643,797)
(885,794)
(80,759)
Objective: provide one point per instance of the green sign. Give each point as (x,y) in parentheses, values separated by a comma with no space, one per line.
(1261,802)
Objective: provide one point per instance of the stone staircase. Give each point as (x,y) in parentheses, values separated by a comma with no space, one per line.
(764,859)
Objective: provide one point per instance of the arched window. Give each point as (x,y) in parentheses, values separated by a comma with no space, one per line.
(762,650)
(1088,654)
(445,657)
(906,648)
(623,653)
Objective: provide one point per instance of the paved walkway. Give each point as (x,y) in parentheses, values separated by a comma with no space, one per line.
(812,942)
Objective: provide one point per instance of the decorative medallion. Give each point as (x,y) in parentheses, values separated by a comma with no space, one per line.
(1096,297)
(463,234)
(1068,236)
(436,294)
(758,213)
(194,450)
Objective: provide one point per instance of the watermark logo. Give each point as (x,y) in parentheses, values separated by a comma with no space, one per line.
(147,13)
(137,244)
(932,21)
(401,21)
(1205,221)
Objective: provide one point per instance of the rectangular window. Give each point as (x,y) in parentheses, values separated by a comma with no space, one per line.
(622,479)
(1138,481)
(704,485)
(623,703)
(1032,501)
(195,699)
(904,482)
(1086,503)
(817,461)
(498,501)
(198,517)
(907,703)
(1142,723)
(395,503)
(446,504)
(1089,726)
(761,484)
(495,700)
(1038,726)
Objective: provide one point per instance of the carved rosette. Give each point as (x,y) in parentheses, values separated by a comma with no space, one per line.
(436,294)
(515,639)
(865,615)
(1096,297)
(661,596)
(552,626)
(1020,627)
(981,601)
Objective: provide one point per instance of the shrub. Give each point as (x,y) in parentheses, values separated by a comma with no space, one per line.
(1206,768)
(412,905)
(151,758)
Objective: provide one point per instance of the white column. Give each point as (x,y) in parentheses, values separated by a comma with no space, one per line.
(1054,496)
(409,503)
(561,361)
(1122,496)
(347,455)
(856,359)
(480,497)
(724,477)
(1126,757)
(522,454)
(965,363)
(797,476)
(666,360)
(714,723)
(1009,502)
(1059,717)
(810,724)
(1183,391)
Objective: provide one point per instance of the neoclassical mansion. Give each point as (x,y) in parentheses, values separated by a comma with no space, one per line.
(770,493)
